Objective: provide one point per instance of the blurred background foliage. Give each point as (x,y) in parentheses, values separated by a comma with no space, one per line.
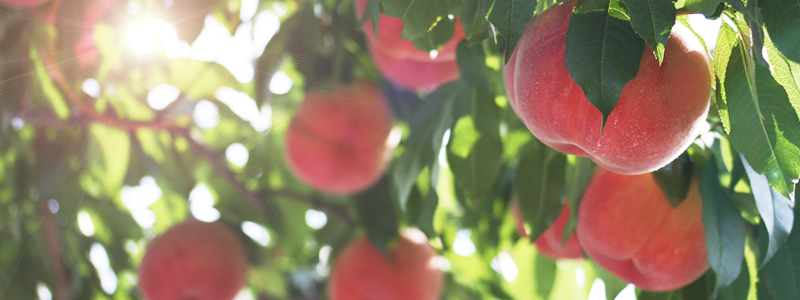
(177,109)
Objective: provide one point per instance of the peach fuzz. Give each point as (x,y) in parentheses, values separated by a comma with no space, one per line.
(404,64)
(193,260)
(361,272)
(658,115)
(626,225)
(336,141)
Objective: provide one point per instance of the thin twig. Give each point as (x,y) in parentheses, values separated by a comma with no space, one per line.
(53,242)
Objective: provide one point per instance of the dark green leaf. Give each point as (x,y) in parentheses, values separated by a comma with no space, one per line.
(602,52)
(545,275)
(510,17)
(425,140)
(653,20)
(775,210)
(475,150)
(472,66)
(780,278)
(425,220)
(740,287)
(674,179)
(782,19)
(763,124)
(540,186)
(671,295)
(418,16)
(473,18)
(724,227)
(376,208)
(705,7)
(579,173)
(374,14)
(434,39)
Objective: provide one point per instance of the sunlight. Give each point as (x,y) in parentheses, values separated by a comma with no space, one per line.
(598,290)
(245,107)
(206,114)
(85,224)
(280,83)
(201,204)
(462,245)
(258,233)
(138,198)
(237,154)
(707,29)
(504,264)
(244,294)
(580,276)
(142,38)
(162,96)
(91,87)
(43,292)
(316,219)
(628,293)
(248,10)
(99,258)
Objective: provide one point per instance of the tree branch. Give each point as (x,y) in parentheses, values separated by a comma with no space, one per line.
(54,247)
(258,198)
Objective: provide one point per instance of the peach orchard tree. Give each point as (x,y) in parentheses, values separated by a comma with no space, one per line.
(120,119)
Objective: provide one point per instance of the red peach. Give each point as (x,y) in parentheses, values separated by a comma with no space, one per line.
(658,115)
(550,242)
(404,64)
(193,260)
(336,142)
(361,272)
(626,225)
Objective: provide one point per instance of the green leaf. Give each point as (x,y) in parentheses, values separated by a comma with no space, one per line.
(726,40)
(374,11)
(706,7)
(418,15)
(740,287)
(653,20)
(785,72)
(425,219)
(540,186)
(674,179)
(510,17)
(776,210)
(780,278)
(425,140)
(376,208)
(472,66)
(764,125)
(440,34)
(51,92)
(475,150)
(671,295)
(115,148)
(579,173)
(602,52)
(473,18)
(782,19)
(724,227)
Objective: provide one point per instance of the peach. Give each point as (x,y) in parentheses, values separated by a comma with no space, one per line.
(193,260)
(626,225)
(361,272)
(404,64)
(337,142)
(659,113)
(550,242)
